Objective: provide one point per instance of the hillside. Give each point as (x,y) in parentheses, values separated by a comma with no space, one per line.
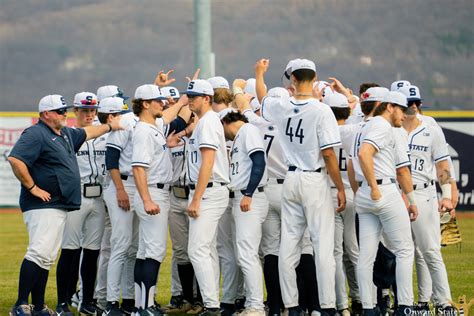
(56,46)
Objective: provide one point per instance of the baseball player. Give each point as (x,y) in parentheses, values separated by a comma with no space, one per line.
(152,173)
(379,157)
(232,279)
(345,240)
(84,228)
(429,152)
(107,110)
(208,198)
(308,133)
(250,205)
(271,229)
(44,160)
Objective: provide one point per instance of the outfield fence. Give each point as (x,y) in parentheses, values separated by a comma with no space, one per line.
(458,127)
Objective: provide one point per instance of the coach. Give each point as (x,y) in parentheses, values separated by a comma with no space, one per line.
(44,160)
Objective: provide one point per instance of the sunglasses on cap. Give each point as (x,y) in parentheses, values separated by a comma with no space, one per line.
(417,102)
(61,111)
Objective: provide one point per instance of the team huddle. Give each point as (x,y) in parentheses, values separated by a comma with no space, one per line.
(302,188)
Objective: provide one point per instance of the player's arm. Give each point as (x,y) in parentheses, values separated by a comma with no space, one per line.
(351,176)
(95,131)
(332,167)
(208,156)
(112,157)
(445,181)
(23,175)
(140,177)
(406,184)
(170,113)
(366,160)
(261,68)
(256,174)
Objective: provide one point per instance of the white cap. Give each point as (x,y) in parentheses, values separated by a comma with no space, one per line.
(278,92)
(219,82)
(288,68)
(374,94)
(200,87)
(336,100)
(255,105)
(52,102)
(110,91)
(85,100)
(170,92)
(324,87)
(396,98)
(250,87)
(112,105)
(397,85)
(412,93)
(149,92)
(302,64)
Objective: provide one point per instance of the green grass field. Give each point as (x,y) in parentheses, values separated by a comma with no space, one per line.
(14,240)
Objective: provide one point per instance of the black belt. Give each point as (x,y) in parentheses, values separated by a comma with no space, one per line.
(232,193)
(423,186)
(123,177)
(162,186)
(280,181)
(293,168)
(379,181)
(192,186)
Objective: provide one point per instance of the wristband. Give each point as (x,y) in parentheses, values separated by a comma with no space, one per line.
(446,191)
(32,187)
(411,198)
(110,127)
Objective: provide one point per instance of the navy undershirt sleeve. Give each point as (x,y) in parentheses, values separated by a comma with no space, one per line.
(112,157)
(257,171)
(177,125)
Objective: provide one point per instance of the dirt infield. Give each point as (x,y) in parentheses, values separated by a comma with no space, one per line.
(460,215)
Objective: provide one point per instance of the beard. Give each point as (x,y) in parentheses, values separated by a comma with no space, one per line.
(411,111)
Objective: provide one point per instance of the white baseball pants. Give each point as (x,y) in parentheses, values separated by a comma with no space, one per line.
(202,242)
(307,203)
(101,286)
(427,237)
(85,227)
(124,243)
(248,233)
(390,215)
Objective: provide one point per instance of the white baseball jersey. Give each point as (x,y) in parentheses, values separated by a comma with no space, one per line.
(122,141)
(208,133)
(347,133)
(151,152)
(356,115)
(306,127)
(178,155)
(91,160)
(247,141)
(427,146)
(276,160)
(391,151)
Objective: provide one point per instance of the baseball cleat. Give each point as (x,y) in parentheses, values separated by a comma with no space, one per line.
(198,307)
(151,311)
(21,310)
(113,309)
(46,311)
(63,310)
(183,307)
(252,312)
(210,312)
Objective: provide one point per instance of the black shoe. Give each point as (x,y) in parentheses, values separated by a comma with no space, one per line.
(449,311)
(128,306)
(88,309)
(210,312)
(151,311)
(63,310)
(356,308)
(328,311)
(422,308)
(227,309)
(46,311)
(295,311)
(239,304)
(403,310)
(113,309)
(371,312)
